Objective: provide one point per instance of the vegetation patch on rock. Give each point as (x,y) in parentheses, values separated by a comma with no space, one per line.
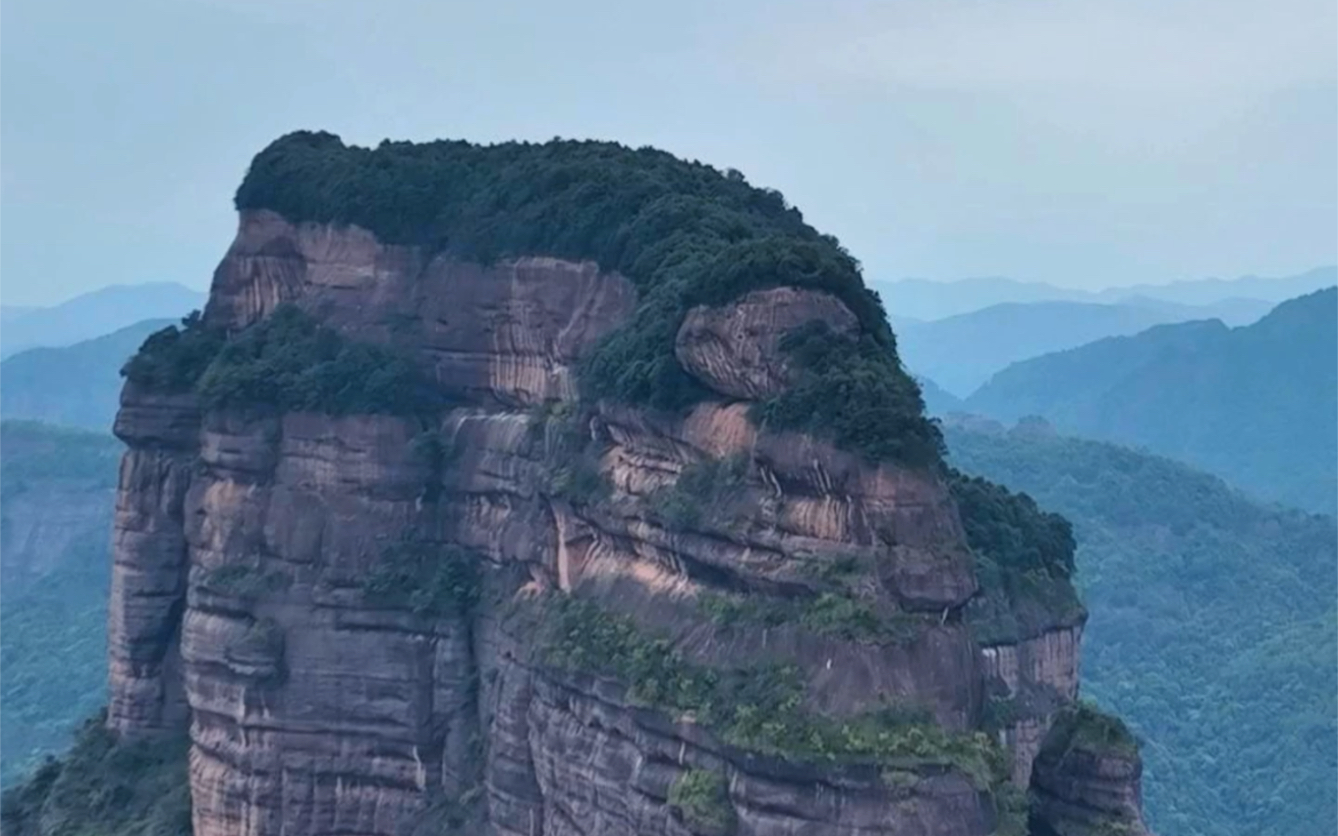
(684,233)
(1024,562)
(1084,726)
(700,491)
(287,361)
(756,707)
(424,578)
(701,797)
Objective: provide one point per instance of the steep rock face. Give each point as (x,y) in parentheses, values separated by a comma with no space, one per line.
(1087,790)
(509,332)
(150,561)
(1038,674)
(245,540)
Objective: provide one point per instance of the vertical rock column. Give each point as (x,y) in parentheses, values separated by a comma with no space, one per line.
(150,562)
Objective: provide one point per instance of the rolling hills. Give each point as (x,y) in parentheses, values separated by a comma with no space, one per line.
(1255,405)
(77,385)
(1212,626)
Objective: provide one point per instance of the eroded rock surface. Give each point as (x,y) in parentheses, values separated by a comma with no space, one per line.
(1082,789)
(735,349)
(244,541)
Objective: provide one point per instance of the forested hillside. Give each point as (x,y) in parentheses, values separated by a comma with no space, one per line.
(1212,627)
(57,493)
(77,385)
(1256,405)
(962,352)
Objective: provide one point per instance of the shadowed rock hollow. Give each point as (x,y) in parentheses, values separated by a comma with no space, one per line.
(584,532)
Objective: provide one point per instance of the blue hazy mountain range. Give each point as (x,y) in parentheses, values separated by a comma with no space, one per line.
(93,314)
(961,352)
(1257,405)
(929,300)
(77,385)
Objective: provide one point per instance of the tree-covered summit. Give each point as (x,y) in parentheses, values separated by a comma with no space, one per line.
(683,232)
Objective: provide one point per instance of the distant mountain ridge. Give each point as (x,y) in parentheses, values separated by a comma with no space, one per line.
(929,300)
(77,385)
(1255,405)
(961,352)
(94,314)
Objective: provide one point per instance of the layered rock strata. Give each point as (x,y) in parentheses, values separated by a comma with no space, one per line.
(245,537)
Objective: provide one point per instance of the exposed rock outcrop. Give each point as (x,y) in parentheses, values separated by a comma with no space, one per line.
(245,540)
(1087,779)
(735,349)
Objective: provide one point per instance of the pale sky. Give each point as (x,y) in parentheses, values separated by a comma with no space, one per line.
(1081,142)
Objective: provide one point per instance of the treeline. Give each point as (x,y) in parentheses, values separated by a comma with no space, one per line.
(683,232)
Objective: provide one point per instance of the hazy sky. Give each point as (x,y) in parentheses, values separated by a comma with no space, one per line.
(1083,142)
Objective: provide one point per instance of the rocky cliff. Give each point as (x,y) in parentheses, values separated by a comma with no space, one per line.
(533,611)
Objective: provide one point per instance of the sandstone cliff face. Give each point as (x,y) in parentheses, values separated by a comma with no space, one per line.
(243,540)
(1087,789)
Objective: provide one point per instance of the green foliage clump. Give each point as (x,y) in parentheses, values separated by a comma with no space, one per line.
(758,707)
(1013,809)
(1000,713)
(291,362)
(579,481)
(173,359)
(104,787)
(1011,530)
(425,578)
(701,797)
(832,614)
(244,580)
(837,614)
(699,490)
(1084,726)
(287,361)
(1024,562)
(684,233)
(570,453)
(852,390)
(1214,629)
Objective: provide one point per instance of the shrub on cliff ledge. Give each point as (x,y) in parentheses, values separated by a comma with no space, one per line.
(757,707)
(843,391)
(426,578)
(701,797)
(683,232)
(1024,562)
(1084,726)
(172,360)
(287,361)
(290,361)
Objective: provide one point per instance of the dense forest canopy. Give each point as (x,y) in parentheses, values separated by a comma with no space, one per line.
(53,587)
(683,232)
(1212,631)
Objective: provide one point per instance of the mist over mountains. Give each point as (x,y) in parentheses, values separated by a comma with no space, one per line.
(961,352)
(928,300)
(1255,405)
(92,314)
(76,385)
